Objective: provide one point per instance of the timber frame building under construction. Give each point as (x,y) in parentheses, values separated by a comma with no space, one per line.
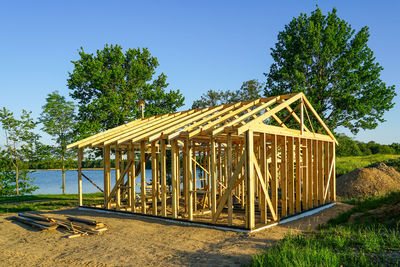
(243,165)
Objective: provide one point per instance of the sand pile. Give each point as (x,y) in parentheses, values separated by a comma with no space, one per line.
(361,182)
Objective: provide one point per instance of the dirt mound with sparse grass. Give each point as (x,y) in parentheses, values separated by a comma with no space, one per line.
(377,179)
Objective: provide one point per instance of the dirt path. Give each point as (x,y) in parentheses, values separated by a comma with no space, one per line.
(141,242)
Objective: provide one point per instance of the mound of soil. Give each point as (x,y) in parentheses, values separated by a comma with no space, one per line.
(374,180)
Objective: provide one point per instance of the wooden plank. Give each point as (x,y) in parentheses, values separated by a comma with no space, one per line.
(229,177)
(304,170)
(274,172)
(250,180)
(315,173)
(284,177)
(143,175)
(80,158)
(163,179)
(333,175)
(107,175)
(189,180)
(129,174)
(310,172)
(320,173)
(326,171)
(154,177)
(298,175)
(117,176)
(194,170)
(133,179)
(174,171)
(213,171)
(290,174)
(263,162)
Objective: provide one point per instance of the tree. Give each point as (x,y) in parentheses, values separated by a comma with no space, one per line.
(109,85)
(20,142)
(322,56)
(249,90)
(58,121)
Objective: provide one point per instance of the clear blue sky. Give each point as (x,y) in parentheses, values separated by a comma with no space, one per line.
(200,45)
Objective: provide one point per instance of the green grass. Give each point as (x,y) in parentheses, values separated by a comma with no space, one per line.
(347,164)
(45,202)
(369,239)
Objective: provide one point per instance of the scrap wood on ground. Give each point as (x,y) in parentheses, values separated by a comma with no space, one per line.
(73,225)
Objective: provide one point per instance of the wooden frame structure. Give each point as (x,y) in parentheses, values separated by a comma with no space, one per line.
(245,165)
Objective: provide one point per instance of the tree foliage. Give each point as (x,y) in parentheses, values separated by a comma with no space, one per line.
(322,56)
(20,145)
(58,121)
(249,90)
(109,84)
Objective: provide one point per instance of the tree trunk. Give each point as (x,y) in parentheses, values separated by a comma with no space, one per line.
(63,175)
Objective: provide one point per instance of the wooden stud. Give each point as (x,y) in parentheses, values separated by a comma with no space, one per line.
(143,175)
(250,222)
(274,171)
(189,180)
(304,170)
(284,177)
(154,177)
(326,170)
(107,176)
(80,158)
(290,175)
(263,166)
(310,167)
(229,177)
(194,169)
(320,173)
(298,175)
(213,176)
(133,179)
(333,174)
(163,179)
(315,173)
(117,175)
(174,171)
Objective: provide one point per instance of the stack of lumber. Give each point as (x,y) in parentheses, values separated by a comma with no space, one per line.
(74,226)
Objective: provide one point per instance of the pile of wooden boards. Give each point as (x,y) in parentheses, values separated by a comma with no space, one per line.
(74,226)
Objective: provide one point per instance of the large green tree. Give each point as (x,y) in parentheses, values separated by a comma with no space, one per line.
(58,121)
(322,56)
(20,143)
(109,84)
(249,90)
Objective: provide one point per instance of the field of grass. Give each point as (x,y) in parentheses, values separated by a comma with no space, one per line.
(45,202)
(369,239)
(347,164)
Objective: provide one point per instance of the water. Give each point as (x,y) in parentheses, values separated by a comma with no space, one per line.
(50,182)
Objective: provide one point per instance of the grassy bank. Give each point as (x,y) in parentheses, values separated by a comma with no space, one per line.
(45,202)
(347,164)
(367,235)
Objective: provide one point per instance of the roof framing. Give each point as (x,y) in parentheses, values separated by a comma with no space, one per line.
(213,121)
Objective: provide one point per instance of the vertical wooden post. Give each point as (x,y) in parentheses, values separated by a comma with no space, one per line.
(213,171)
(333,175)
(117,175)
(80,158)
(174,171)
(143,174)
(194,169)
(250,180)
(284,177)
(189,180)
(128,175)
(163,180)
(274,172)
(326,171)
(298,175)
(310,173)
(133,179)
(107,167)
(185,175)
(229,176)
(263,162)
(305,173)
(320,173)
(301,116)
(154,177)
(315,173)
(290,175)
